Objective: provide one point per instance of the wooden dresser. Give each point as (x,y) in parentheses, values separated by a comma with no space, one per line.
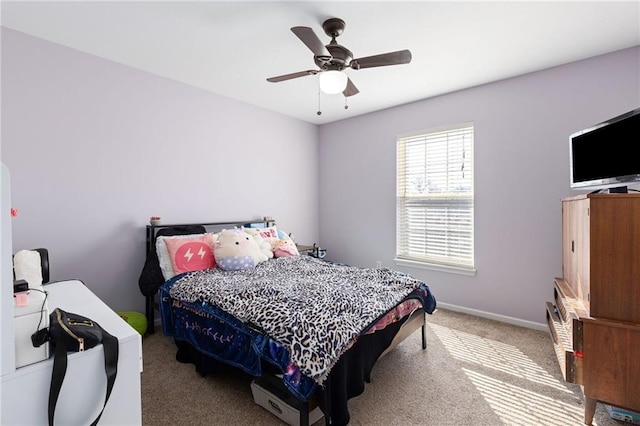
(594,318)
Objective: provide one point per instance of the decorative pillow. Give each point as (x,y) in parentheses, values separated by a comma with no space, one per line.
(282,234)
(163,253)
(285,248)
(184,253)
(269,234)
(237,250)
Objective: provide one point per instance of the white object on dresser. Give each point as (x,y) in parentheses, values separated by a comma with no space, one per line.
(25,392)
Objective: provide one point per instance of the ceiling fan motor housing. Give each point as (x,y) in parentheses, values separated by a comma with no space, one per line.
(340,58)
(340,55)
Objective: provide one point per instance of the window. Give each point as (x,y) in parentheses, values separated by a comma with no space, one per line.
(435,199)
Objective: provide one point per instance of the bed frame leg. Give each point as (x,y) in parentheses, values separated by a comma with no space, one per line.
(150,314)
(424,336)
(304,413)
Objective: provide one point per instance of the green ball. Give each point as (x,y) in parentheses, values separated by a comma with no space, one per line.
(136,320)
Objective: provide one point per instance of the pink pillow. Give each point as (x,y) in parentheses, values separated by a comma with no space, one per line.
(191,254)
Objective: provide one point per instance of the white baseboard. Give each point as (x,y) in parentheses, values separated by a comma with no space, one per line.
(495,317)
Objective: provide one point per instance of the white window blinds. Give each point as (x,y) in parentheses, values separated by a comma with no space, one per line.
(435,198)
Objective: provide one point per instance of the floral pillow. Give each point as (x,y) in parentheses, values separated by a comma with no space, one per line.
(188,253)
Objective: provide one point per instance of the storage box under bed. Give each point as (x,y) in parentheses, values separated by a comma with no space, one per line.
(270,393)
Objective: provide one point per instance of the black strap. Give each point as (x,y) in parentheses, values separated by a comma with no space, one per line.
(110,345)
(111,349)
(59,370)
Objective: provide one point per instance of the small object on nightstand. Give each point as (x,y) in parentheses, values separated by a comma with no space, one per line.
(154,220)
(313,250)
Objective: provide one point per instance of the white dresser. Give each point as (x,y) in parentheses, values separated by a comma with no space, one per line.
(24,393)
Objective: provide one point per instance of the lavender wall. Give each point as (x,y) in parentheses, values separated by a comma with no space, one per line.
(94,148)
(521,173)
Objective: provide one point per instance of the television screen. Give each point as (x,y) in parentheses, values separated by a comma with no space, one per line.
(603,156)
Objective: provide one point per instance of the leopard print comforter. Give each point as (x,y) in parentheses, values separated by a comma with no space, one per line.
(315,309)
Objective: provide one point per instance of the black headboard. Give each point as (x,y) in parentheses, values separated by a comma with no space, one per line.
(152,230)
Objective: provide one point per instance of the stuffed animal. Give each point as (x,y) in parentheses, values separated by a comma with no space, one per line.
(285,248)
(265,246)
(236,250)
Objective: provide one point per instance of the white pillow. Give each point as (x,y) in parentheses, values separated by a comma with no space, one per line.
(166,266)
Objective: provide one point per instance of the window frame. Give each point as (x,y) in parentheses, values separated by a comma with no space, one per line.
(464,265)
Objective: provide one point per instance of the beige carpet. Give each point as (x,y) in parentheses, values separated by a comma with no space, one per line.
(474,372)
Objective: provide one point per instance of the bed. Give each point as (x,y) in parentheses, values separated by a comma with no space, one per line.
(319,326)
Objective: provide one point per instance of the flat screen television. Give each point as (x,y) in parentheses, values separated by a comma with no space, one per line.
(603,156)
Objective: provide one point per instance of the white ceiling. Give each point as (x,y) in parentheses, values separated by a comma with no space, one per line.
(230,48)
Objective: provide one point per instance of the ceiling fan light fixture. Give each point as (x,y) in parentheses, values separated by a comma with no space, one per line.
(333,82)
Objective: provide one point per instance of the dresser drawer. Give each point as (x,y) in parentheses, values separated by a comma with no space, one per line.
(569,306)
(563,338)
(611,362)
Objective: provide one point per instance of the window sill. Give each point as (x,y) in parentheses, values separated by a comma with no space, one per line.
(433,267)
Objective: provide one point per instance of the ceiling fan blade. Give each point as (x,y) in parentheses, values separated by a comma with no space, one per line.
(311,40)
(351,89)
(391,58)
(292,75)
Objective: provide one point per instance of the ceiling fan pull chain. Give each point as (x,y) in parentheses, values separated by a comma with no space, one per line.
(319,111)
(345,103)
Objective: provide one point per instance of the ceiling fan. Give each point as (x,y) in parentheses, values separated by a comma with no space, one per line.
(334,58)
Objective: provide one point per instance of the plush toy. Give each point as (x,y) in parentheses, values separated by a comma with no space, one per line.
(236,250)
(265,246)
(285,248)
